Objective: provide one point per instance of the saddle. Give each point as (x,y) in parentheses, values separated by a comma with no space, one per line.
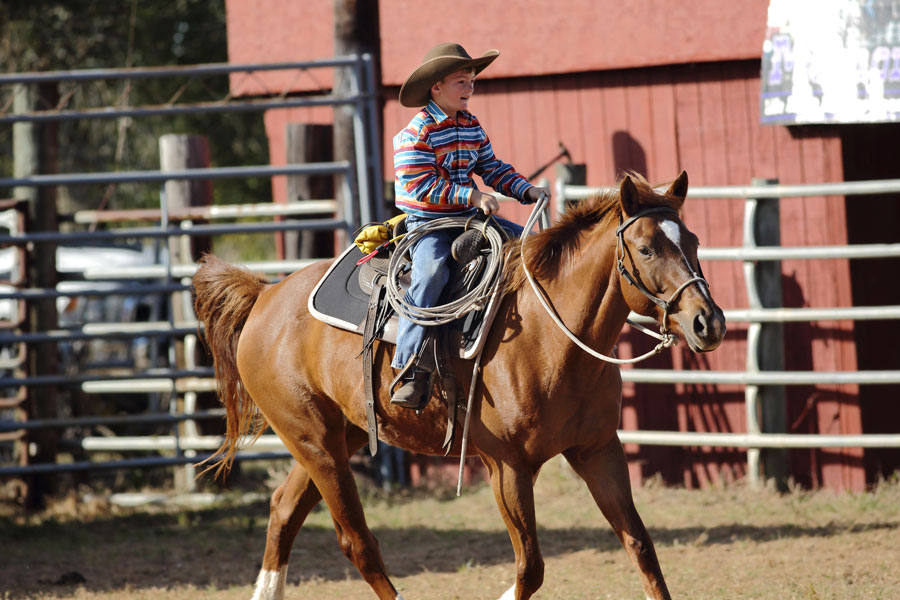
(342,297)
(351,296)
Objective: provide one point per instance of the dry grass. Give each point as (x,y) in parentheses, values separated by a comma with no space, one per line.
(730,542)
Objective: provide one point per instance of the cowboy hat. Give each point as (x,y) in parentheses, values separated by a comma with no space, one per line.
(440,61)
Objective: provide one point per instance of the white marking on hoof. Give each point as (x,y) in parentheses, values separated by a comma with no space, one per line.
(399,597)
(270,584)
(509,594)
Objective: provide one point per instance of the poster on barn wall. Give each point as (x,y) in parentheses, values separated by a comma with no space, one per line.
(831,61)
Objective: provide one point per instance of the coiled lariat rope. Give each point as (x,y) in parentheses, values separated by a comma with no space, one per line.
(477,298)
(487,287)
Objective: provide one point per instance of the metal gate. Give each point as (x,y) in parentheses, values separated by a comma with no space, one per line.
(166,425)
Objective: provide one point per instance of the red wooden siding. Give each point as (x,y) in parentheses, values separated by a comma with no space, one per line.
(702,118)
(652,86)
(279,31)
(536,37)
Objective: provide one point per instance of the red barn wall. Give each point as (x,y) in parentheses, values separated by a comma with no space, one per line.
(537,38)
(657,88)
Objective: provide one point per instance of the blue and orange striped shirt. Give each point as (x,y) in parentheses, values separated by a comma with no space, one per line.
(435,158)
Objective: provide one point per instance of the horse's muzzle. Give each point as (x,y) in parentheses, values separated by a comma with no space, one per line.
(705,329)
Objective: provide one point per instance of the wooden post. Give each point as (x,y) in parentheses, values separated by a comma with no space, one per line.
(772,404)
(355,32)
(308,143)
(178,152)
(568,174)
(35,148)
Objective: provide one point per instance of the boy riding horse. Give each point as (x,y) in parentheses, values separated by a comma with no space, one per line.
(435,157)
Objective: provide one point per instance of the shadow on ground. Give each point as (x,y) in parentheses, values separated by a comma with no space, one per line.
(223,548)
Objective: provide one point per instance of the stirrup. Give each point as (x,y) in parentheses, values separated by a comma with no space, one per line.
(415,391)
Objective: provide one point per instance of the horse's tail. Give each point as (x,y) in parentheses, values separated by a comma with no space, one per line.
(224,294)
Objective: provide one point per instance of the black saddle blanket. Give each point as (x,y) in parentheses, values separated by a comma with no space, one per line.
(339,300)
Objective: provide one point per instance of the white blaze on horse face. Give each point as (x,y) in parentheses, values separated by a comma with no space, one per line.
(270,584)
(672,231)
(509,594)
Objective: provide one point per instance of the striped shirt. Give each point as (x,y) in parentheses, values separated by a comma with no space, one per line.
(435,158)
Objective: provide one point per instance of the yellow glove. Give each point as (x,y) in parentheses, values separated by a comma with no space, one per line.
(373,236)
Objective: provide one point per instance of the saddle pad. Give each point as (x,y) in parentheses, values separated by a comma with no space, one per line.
(339,301)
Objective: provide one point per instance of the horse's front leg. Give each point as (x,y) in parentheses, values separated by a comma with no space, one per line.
(605,470)
(514,493)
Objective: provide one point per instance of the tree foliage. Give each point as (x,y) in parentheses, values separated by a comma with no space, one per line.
(61,35)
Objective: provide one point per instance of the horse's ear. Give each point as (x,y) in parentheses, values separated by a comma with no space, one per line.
(679,187)
(629,196)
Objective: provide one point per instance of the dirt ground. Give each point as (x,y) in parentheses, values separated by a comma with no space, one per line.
(731,542)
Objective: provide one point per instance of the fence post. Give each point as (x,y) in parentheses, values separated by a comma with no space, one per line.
(177,152)
(354,34)
(766,409)
(375,128)
(568,174)
(35,148)
(308,143)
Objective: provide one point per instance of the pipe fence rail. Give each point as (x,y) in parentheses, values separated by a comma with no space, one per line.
(753,378)
(171,380)
(194,381)
(360,96)
(172,389)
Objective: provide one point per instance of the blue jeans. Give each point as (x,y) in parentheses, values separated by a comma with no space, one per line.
(430,272)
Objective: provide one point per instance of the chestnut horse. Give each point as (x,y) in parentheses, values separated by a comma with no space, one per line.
(538,395)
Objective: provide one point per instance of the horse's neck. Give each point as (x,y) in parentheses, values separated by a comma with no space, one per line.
(587,297)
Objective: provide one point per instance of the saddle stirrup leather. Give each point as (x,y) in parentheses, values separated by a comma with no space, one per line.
(369,334)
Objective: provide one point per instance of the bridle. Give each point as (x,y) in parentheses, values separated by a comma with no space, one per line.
(666,339)
(634,278)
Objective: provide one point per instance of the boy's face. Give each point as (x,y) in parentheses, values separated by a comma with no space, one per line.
(452,93)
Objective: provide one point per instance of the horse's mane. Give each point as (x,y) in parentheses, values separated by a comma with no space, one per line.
(548,252)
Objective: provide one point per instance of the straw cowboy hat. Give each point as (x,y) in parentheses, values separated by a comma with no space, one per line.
(440,61)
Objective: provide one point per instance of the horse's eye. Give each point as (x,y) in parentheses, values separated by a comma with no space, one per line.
(645,251)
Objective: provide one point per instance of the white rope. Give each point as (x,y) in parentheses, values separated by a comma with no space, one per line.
(645,330)
(666,340)
(465,436)
(476,299)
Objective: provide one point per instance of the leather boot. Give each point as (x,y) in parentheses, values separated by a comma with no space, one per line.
(412,394)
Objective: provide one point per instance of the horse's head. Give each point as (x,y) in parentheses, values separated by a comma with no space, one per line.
(658,267)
